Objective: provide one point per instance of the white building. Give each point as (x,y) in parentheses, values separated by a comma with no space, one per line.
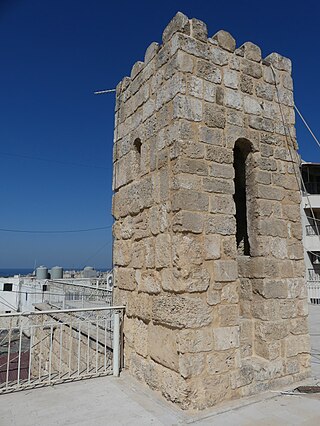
(20,294)
(310,213)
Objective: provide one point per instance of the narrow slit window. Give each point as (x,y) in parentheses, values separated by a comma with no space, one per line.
(137,145)
(241,151)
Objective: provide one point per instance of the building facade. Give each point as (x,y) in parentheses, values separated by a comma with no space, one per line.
(310,213)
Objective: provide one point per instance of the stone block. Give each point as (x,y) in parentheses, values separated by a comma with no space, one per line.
(220,224)
(122,252)
(151,51)
(189,108)
(208,71)
(226,338)
(297,345)
(225,270)
(185,221)
(251,106)
(179,23)
(186,251)
(193,341)
(218,56)
(225,40)
(279,62)
(231,79)
(213,296)
(250,51)
(191,365)
(195,86)
(223,204)
(211,247)
(246,84)
(190,200)
(211,136)
(163,346)
(149,282)
(252,69)
(219,154)
(260,123)
(228,315)
(214,116)
(138,305)
(233,99)
(221,362)
(199,30)
(270,289)
(162,250)
(192,166)
(179,311)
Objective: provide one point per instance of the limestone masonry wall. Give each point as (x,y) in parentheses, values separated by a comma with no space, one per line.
(208,257)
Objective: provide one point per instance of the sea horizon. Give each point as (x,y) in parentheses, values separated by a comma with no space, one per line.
(9,272)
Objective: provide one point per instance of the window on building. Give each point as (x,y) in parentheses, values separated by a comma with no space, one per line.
(7,287)
(137,145)
(241,151)
(44,287)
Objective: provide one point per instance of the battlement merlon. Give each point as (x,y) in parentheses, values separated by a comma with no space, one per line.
(181,25)
(187,50)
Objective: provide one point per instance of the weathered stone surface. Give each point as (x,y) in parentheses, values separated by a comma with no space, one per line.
(226,338)
(200,144)
(221,362)
(187,222)
(191,365)
(179,23)
(225,270)
(208,71)
(250,51)
(199,30)
(148,282)
(192,341)
(225,40)
(165,353)
(179,312)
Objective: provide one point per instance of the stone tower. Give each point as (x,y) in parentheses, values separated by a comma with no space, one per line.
(207,237)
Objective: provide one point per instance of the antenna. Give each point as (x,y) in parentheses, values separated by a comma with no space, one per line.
(102,92)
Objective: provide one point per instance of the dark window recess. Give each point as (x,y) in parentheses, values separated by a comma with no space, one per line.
(7,312)
(137,145)
(241,151)
(7,287)
(44,287)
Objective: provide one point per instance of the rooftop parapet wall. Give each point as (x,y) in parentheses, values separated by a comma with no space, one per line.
(204,322)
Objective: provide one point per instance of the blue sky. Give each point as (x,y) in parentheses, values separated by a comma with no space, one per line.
(54,54)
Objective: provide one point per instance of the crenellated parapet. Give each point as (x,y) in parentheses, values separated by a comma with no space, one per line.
(208,257)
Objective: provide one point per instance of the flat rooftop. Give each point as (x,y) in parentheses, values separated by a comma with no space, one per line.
(124,401)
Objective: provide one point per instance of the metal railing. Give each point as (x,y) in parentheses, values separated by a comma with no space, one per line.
(313,275)
(313,288)
(52,346)
(311,230)
(66,295)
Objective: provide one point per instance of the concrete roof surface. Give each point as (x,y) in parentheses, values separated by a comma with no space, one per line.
(124,401)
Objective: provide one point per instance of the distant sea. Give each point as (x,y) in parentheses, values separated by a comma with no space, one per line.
(17,271)
(21,271)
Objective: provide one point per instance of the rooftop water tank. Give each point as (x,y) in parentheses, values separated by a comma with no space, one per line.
(89,272)
(56,273)
(42,272)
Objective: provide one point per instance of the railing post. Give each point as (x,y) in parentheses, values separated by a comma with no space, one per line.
(116,343)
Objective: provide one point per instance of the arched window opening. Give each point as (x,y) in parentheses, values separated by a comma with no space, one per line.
(241,151)
(137,145)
